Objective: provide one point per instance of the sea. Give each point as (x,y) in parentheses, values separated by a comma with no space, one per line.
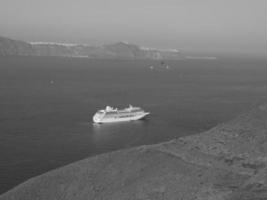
(47,104)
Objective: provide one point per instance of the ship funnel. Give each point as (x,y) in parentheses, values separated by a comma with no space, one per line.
(108,108)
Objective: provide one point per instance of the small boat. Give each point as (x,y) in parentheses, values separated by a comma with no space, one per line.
(109,114)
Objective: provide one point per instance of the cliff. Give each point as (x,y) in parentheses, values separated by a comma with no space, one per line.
(120,50)
(227,162)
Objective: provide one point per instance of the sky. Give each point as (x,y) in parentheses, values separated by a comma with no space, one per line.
(235,26)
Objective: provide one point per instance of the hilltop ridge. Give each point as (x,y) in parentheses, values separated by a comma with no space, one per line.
(227,162)
(120,50)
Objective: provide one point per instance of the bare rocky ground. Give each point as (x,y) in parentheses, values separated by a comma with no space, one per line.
(228,162)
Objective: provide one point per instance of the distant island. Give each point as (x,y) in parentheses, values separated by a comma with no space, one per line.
(120,50)
(228,162)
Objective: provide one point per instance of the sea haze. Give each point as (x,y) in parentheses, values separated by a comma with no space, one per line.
(47,104)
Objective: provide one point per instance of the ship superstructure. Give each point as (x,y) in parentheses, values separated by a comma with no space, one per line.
(110,114)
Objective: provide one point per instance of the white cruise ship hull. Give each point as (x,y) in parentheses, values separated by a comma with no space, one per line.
(104,119)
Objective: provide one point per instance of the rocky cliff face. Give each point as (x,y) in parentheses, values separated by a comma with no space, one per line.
(228,162)
(119,50)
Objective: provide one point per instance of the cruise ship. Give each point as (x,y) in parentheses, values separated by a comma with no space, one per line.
(110,114)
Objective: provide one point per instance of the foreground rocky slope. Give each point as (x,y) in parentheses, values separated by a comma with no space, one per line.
(120,50)
(227,162)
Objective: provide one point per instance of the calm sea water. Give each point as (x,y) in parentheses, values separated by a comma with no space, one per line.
(46,106)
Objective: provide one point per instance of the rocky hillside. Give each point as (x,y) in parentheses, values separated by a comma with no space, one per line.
(228,162)
(15,47)
(119,50)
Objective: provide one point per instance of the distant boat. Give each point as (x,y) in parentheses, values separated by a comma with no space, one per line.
(162,63)
(109,114)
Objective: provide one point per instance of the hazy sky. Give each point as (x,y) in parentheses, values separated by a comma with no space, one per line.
(234,25)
